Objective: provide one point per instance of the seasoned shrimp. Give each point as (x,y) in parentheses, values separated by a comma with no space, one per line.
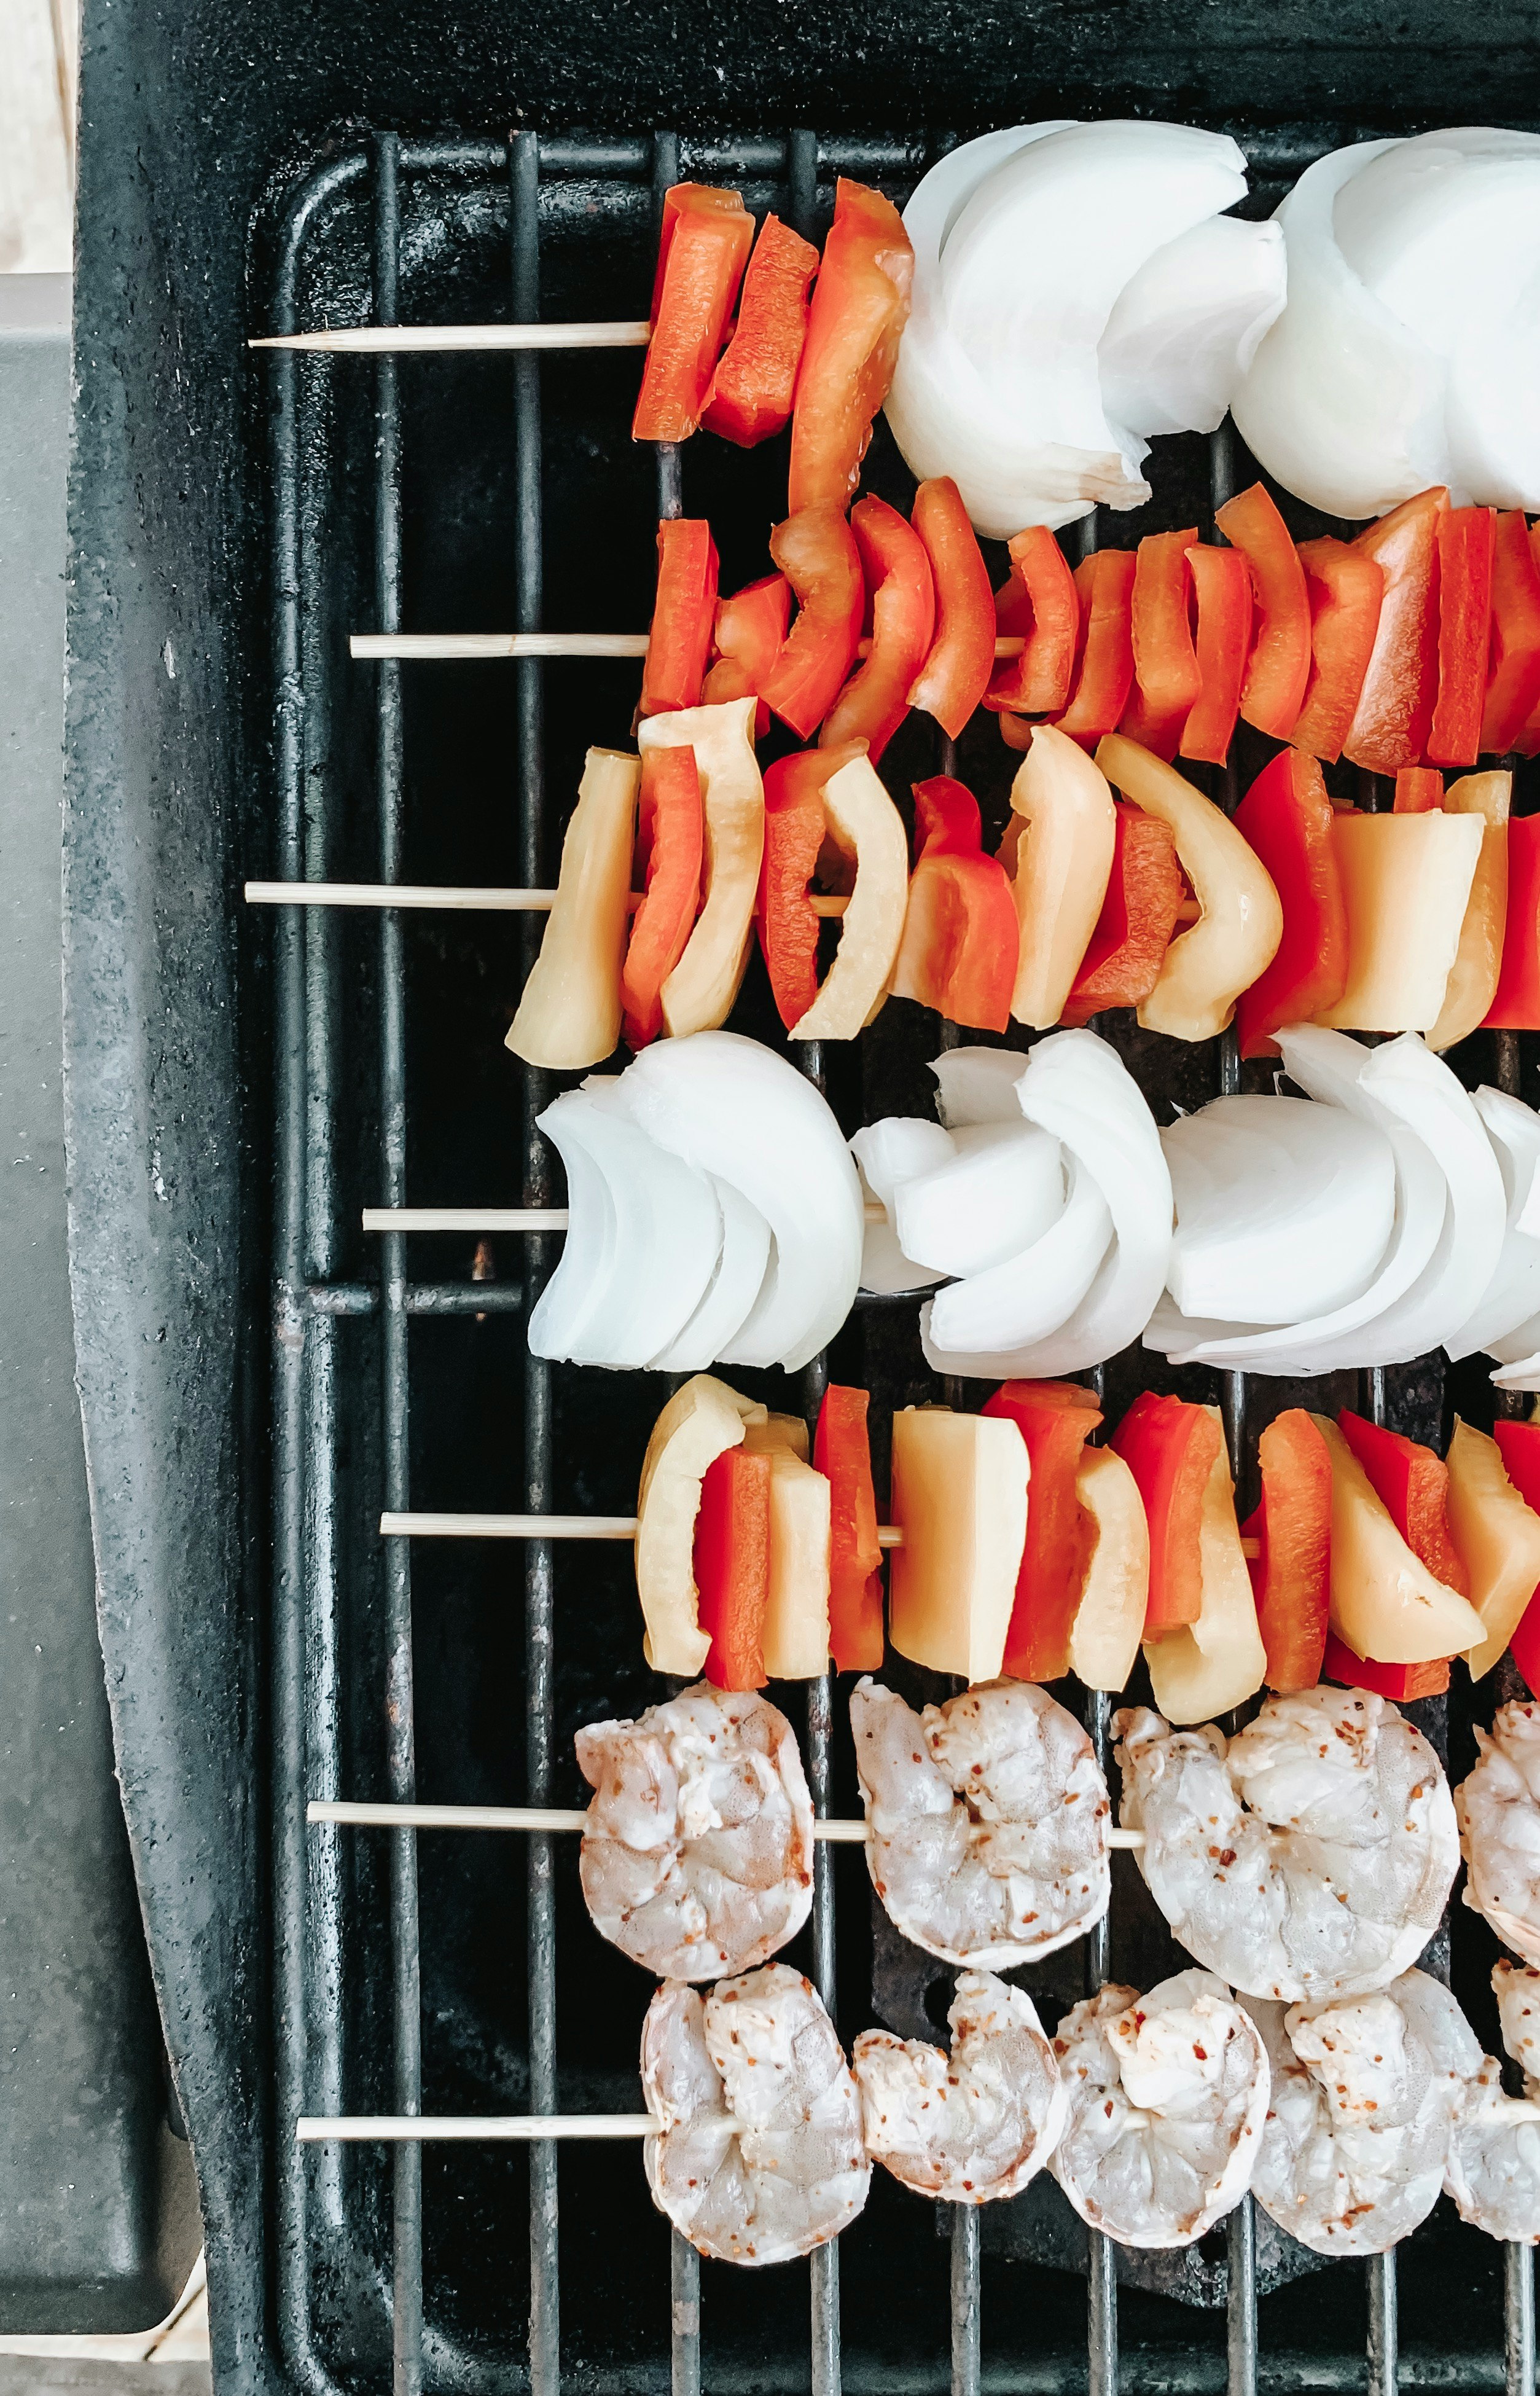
(1517,1989)
(1498,1808)
(1365,2095)
(757,2155)
(698,1851)
(1168,2094)
(988,1819)
(973,2127)
(1310,1857)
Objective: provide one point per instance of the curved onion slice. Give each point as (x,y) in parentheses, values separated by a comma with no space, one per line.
(1187,323)
(977,1085)
(1284,1209)
(1003,1189)
(644,1231)
(1504,1321)
(888,1152)
(733,1109)
(991,1327)
(729,1299)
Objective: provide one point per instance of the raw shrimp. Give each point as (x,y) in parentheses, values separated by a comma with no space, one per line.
(1494,2167)
(1168,2094)
(1365,2095)
(978,2125)
(1498,1807)
(698,1851)
(757,2156)
(1310,1856)
(988,1819)
(1517,1989)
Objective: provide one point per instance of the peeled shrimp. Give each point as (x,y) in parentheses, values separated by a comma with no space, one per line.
(757,2156)
(1365,2095)
(973,2127)
(1498,1808)
(698,1851)
(987,1818)
(1310,1857)
(1493,2170)
(1168,2094)
(1517,1989)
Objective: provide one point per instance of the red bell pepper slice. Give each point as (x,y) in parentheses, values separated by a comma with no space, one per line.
(961,934)
(1513,664)
(1125,953)
(842,1452)
(1345,590)
(748,637)
(956,673)
(756,375)
(1055,1419)
(1167,685)
(1518,1445)
(1419,792)
(732,1566)
(1041,604)
(1292,1572)
(1395,709)
(702,249)
(1222,588)
(860,306)
(1516,1003)
(679,638)
(1171,1448)
(670,833)
(1400,1683)
(816,552)
(786,919)
(1286,817)
(1104,646)
(1412,1485)
(897,570)
(1465,538)
(1273,692)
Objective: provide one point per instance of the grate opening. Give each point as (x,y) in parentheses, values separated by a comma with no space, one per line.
(443,1973)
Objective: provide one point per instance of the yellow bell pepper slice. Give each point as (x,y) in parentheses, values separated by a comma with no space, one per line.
(1496,1538)
(1063,856)
(1203,1668)
(569,1015)
(1405,883)
(700,1423)
(795,1636)
(1109,1624)
(1384,1603)
(864,824)
(960,1498)
(699,994)
(1472,983)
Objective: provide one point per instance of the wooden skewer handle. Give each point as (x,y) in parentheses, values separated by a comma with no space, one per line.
(403,2129)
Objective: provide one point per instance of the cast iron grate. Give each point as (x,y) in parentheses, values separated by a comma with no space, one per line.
(392,484)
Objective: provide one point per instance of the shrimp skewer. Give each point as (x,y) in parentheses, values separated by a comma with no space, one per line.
(1498,1809)
(1494,2167)
(976,2126)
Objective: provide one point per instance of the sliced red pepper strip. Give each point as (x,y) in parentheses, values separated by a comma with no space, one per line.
(1056,1419)
(1171,1448)
(1395,710)
(756,375)
(1518,1445)
(1419,790)
(860,306)
(1292,1572)
(679,638)
(1516,1005)
(1167,685)
(1273,692)
(1041,604)
(1400,1683)
(670,832)
(1104,646)
(1286,817)
(1125,953)
(794,828)
(842,1452)
(1345,590)
(1465,538)
(732,1566)
(748,637)
(956,673)
(1513,662)
(897,570)
(1412,1484)
(818,554)
(959,950)
(1222,588)
(702,249)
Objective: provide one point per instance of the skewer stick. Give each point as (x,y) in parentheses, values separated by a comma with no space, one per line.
(550,1818)
(470,646)
(498,1219)
(390,341)
(576,1526)
(450,897)
(415,2129)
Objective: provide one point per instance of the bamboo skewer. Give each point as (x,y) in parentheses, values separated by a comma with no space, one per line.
(470,645)
(578,1526)
(498,1219)
(312,2130)
(390,341)
(343,1813)
(451,897)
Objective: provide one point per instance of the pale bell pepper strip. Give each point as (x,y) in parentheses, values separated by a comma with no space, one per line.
(699,994)
(1385,1604)
(1204,1668)
(1496,1537)
(1406,882)
(1472,983)
(700,1423)
(1060,870)
(862,820)
(795,1636)
(959,1497)
(1240,919)
(1104,1636)
(569,1015)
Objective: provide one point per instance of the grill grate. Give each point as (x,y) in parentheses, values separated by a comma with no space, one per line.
(316,1892)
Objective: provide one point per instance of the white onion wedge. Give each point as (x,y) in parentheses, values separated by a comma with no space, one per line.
(1514,1131)
(1187,325)
(1001,1192)
(888,1152)
(729,1301)
(735,1110)
(1504,1322)
(991,1327)
(977,1085)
